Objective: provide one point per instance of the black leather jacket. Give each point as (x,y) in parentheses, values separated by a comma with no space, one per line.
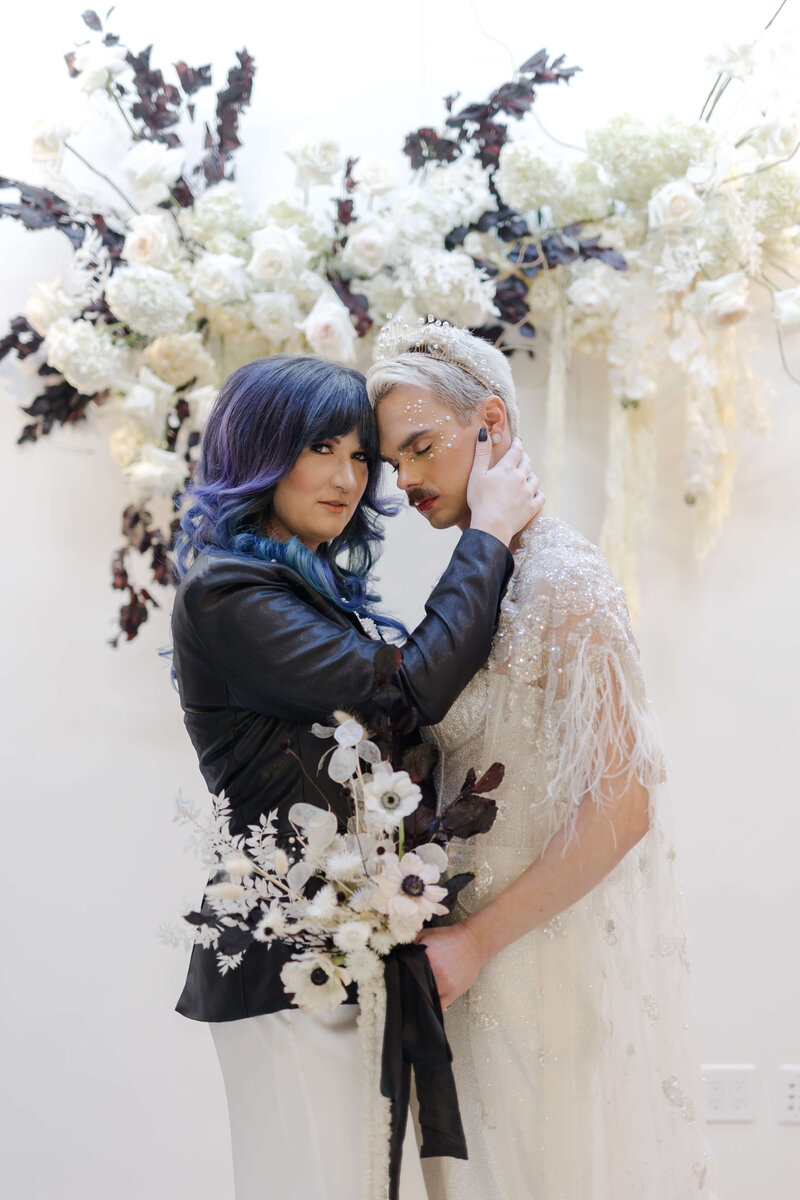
(260,656)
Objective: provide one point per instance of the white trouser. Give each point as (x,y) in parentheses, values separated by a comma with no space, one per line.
(293,1084)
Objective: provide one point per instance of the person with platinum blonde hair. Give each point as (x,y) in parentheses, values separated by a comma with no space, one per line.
(563,967)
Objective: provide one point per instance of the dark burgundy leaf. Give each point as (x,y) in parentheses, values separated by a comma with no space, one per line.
(193,78)
(611,258)
(69,59)
(91,19)
(527,330)
(468,783)
(420,760)
(344,212)
(349,182)
(450,100)
(201,918)
(469,815)
(490,779)
(357,304)
(454,885)
(456,237)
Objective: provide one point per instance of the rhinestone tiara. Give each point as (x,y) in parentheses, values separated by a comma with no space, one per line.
(436,339)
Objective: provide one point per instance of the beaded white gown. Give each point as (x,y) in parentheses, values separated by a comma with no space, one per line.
(576,1068)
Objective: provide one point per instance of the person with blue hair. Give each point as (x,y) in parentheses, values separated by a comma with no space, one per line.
(280,532)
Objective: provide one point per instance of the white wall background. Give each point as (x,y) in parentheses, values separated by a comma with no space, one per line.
(109,1092)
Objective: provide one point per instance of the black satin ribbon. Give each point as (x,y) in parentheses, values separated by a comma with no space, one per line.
(414,1036)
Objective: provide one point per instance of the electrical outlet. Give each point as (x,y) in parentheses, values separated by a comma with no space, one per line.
(730,1092)
(789,1095)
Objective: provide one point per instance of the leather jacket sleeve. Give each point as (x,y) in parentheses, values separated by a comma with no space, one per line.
(280,655)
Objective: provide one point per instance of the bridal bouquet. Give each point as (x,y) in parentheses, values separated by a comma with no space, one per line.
(343,899)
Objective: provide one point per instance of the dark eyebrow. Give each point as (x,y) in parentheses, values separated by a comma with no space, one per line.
(412,437)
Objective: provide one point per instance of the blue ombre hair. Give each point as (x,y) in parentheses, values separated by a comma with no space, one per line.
(265,414)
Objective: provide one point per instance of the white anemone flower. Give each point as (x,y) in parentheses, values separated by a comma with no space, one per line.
(315,982)
(391,796)
(408,888)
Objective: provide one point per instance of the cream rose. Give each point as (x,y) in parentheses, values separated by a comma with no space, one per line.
(316,161)
(219,279)
(151,241)
(674,205)
(329,330)
(722,301)
(126,444)
(368,247)
(279,255)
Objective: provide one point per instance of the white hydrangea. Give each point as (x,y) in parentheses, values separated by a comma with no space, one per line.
(149,300)
(217,211)
(276,315)
(290,212)
(151,241)
(151,168)
(219,279)
(279,255)
(329,330)
(638,158)
(49,301)
(585,197)
(449,195)
(179,358)
(448,284)
(158,472)
(86,355)
(529,177)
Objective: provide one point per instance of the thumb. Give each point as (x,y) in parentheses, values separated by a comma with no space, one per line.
(483,452)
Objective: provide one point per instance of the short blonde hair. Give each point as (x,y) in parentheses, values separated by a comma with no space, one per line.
(461,375)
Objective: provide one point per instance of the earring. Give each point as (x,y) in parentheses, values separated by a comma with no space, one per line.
(496,439)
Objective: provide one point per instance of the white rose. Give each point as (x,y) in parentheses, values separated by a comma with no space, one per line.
(722,301)
(216,211)
(368,247)
(374,176)
(98,65)
(157,472)
(317,161)
(674,205)
(180,358)
(151,241)
(48,141)
(219,279)
(329,330)
(279,255)
(276,315)
(591,293)
(232,320)
(787,308)
(151,168)
(86,355)
(150,301)
(49,301)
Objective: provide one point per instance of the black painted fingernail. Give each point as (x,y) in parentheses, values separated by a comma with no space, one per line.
(483,435)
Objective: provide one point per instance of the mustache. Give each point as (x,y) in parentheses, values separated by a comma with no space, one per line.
(416,496)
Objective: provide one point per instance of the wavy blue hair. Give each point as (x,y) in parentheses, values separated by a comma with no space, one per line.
(265,414)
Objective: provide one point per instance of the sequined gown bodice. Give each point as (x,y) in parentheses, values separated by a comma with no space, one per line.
(576,1070)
